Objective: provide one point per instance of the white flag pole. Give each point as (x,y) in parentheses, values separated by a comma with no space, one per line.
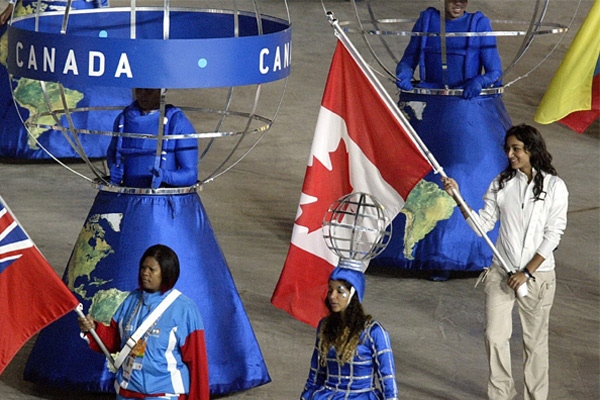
(391,105)
(79,311)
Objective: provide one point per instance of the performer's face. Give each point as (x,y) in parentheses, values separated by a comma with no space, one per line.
(148,99)
(150,275)
(455,8)
(518,156)
(338,296)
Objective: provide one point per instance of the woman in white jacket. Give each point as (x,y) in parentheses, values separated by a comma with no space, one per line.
(530,201)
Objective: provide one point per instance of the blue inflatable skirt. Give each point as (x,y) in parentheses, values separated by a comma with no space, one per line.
(15,142)
(467,138)
(104,267)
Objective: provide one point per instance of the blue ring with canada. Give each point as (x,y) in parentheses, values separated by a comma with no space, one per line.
(203,48)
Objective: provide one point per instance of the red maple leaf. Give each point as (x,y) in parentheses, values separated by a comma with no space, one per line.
(327,186)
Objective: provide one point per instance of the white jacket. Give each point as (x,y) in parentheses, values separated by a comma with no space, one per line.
(527,227)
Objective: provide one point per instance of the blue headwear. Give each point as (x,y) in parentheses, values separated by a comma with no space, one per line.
(353,277)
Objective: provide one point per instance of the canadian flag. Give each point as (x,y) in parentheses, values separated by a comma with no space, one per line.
(360,145)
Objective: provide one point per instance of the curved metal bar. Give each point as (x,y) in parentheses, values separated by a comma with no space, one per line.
(507,84)
(229,98)
(106,187)
(552,28)
(384,43)
(215,173)
(528,39)
(78,147)
(251,116)
(197,135)
(453,92)
(75,143)
(263,131)
(220,122)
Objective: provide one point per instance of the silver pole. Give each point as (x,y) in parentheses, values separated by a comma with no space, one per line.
(79,311)
(341,35)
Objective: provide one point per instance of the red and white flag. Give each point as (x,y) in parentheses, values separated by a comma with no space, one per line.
(31,294)
(360,145)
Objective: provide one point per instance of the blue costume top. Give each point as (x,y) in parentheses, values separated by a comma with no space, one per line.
(168,359)
(371,368)
(133,160)
(473,62)
(465,135)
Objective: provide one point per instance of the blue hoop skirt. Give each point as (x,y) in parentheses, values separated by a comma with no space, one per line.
(118,229)
(467,139)
(15,142)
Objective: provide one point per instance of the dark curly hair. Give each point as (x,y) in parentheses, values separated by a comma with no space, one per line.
(169,265)
(539,157)
(342,330)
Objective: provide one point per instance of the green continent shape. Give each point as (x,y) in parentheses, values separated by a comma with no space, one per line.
(425,206)
(29,95)
(105,304)
(89,250)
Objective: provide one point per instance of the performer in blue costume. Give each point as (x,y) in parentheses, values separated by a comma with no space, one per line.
(15,142)
(464,132)
(122,225)
(353,357)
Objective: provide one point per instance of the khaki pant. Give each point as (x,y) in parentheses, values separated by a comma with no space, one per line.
(534,312)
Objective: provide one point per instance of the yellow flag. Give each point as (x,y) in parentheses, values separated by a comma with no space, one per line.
(571,88)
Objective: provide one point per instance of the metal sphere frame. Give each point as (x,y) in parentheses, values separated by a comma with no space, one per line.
(356,229)
(265,31)
(534,28)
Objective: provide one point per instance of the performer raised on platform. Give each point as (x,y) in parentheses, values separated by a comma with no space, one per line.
(462,127)
(151,200)
(530,202)
(132,161)
(472,63)
(169,359)
(353,356)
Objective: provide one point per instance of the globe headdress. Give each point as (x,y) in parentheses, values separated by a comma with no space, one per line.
(356,229)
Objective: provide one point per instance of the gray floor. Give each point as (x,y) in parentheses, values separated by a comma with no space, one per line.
(436,328)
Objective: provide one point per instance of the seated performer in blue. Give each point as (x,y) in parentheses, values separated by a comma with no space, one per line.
(473,62)
(168,360)
(353,356)
(464,131)
(19,97)
(133,160)
(156,206)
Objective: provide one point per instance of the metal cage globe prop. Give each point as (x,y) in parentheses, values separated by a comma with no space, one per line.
(386,29)
(356,229)
(224,64)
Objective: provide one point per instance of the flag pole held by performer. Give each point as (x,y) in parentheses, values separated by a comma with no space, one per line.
(79,311)
(341,35)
